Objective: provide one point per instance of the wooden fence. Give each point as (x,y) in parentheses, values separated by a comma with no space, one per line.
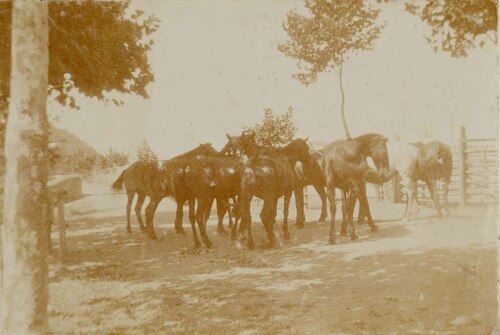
(474,177)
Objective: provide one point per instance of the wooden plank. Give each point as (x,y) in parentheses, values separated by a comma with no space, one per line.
(490,139)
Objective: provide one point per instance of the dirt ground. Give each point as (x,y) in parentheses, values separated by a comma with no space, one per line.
(420,277)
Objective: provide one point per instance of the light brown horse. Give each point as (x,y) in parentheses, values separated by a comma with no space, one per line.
(434,162)
(345,168)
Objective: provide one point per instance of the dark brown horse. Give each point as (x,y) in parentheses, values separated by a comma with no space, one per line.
(310,174)
(197,181)
(141,178)
(269,174)
(345,168)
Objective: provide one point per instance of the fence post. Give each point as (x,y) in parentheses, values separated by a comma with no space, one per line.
(62,224)
(462,145)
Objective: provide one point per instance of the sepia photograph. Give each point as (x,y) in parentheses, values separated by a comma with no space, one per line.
(249,167)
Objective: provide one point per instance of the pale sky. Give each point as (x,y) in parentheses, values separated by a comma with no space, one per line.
(217,67)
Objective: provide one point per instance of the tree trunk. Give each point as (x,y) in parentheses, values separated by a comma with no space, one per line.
(24,237)
(342,103)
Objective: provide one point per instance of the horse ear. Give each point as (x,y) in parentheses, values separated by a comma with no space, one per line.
(306,139)
(229,137)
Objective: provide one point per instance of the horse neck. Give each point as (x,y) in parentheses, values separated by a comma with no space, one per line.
(194,153)
(253,149)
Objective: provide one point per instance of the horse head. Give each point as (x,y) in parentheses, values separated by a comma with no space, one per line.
(242,146)
(375,146)
(300,149)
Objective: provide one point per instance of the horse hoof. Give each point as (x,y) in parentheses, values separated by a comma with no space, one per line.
(153,236)
(343,232)
(221,231)
(197,244)
(332,240)
(322,219)
(373,228)
(361,222)
(180,231)
(251,246)
(208,244)
(354,237)
(287,236)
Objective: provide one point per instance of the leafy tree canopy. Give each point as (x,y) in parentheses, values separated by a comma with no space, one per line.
(457,26)
(95,46)
(323,39)
(275,130)
(145,153)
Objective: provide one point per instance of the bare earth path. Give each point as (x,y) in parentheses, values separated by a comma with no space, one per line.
(420,277)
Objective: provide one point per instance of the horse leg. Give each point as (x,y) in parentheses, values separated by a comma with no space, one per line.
(229,213)
(221,211)
(431,184)
(299,205)
(343,226)
(192,221)
(178,217)
(361,212)
(204,206)
(333,211)
(266,218)
(150,213)
(322,194)
(446,189)
(130,198)
(351,202)
(364,207)
(208,209)
(138,208)
(286,234)
(246,218)
(411,186)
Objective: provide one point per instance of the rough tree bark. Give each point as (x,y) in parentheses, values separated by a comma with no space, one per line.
(24,238)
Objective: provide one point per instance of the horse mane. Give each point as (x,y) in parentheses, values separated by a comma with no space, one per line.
(199,150)
(368,138)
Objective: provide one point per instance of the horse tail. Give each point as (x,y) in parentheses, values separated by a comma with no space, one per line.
(117,185)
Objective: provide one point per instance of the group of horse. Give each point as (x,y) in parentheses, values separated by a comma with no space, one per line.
(242,170)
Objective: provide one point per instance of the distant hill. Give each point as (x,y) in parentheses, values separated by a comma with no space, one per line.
(69,155)
(69,144)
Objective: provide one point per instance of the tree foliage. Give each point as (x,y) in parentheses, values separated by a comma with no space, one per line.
(457,25)
(326,37)
(275,130)
(145,153)
(94,46)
